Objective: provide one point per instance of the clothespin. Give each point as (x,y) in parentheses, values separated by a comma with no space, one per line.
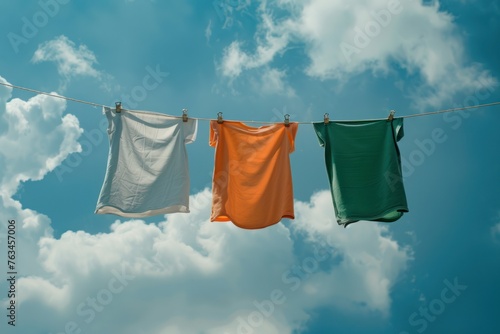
(391,116)
(287,120)
(118,107)
(184,115)
(219,118)
(326,118)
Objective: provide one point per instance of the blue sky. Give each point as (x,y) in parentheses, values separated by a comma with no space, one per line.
(434,270)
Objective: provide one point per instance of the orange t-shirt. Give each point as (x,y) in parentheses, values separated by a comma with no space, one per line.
(252,181)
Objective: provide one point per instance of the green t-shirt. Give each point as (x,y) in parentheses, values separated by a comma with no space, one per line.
(364,168)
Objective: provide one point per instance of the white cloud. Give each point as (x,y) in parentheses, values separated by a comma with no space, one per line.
(273,82)
(71,61)
(370,259)
(34,138)
(194,276)
(274,41)
(208,31)
(229,11)
(23,154)
(234,60)
(343,39)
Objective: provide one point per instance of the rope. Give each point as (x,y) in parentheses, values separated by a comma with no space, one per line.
(261,122)
(53,95)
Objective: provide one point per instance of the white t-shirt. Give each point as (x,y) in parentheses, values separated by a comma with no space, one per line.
(147,172)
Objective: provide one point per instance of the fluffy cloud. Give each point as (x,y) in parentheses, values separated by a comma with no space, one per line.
(270,81)
(370,260)
(187,275)
(343,39)
(24,156)
(71,60)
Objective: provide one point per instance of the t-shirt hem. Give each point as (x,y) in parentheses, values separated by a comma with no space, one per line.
(227,218)
(379,217)
(110,209)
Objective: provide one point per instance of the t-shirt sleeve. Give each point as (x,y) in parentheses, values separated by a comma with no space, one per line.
(108,112)
(212,140)
(320,129)
(190,130)
(397,123)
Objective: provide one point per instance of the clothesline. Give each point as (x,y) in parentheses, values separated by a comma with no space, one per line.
(262,122)
(49,94)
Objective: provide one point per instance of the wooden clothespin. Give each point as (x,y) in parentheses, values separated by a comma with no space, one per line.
(118,107)
(219,118)
(391,115)
(184,115)
(326,118)
(287,120)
